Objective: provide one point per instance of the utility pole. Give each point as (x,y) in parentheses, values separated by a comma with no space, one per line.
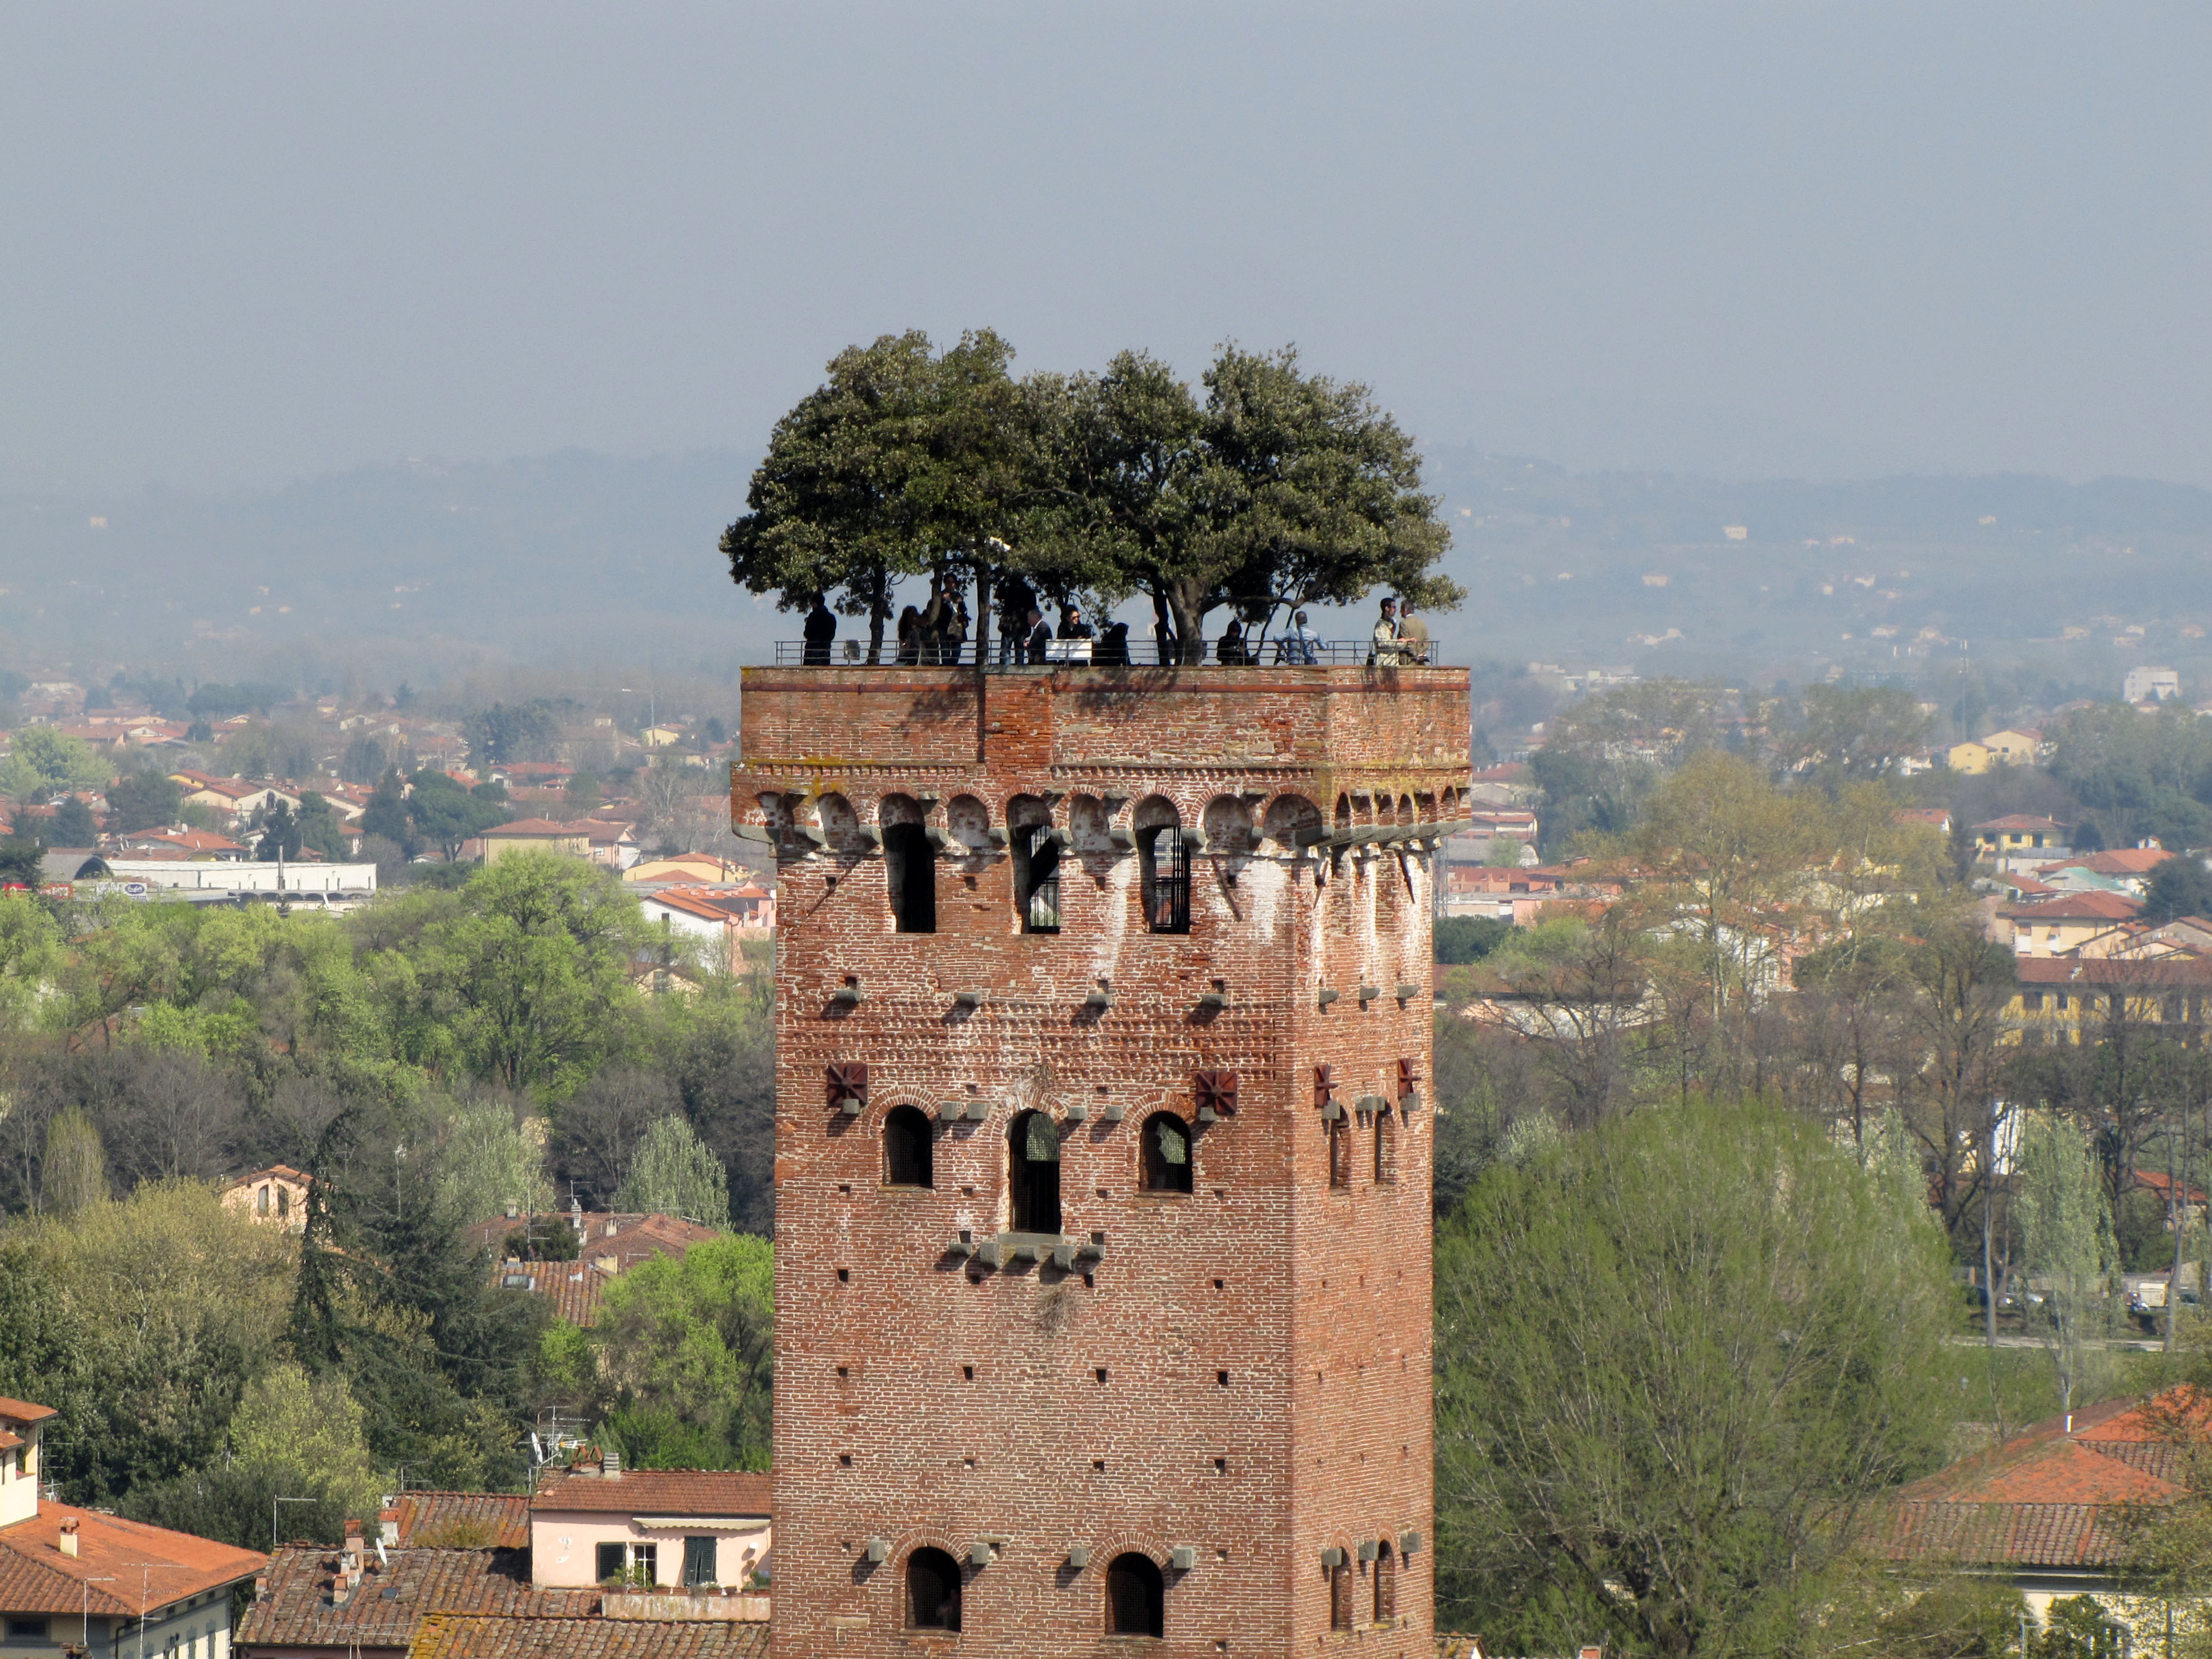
(2177,1215)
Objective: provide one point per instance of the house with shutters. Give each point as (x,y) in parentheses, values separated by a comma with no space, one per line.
(597,1523)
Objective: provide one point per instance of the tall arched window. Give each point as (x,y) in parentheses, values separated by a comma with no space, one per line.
(933,1591)
(1163,865)
(1167,1154)
(1136,1596)
(1340,1150)
(908,1148)
(1386,1582)
(1033,1171)
(1341,1592)
(910,875)
(1386,1147)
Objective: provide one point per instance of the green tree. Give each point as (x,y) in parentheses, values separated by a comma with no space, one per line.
(143,800)
(1678,1357)
(1461,939)
(2179,886)
(445,814)
(21,862)
(510,732)
(178,1304)
(279,835)
(364,759)
(535,970)
(2067,1242)
(308,1429)
(1859,731)
(903,461)
(1280,489)
(73,1175)
(42,763)
(319,828)
(674,1174)
(72,824)
(385,814)
(488,1161)
(685,1352)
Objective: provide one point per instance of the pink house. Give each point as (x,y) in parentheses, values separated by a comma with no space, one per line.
(676,1528)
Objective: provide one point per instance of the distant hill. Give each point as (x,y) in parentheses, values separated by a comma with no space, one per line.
(575,559)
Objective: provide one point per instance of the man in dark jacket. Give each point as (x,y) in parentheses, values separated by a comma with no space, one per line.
(821,628)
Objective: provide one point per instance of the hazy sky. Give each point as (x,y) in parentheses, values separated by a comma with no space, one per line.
(241,243)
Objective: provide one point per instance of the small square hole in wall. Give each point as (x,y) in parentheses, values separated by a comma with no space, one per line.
(1220,1284)
(1090,1283)
(1103,1193)
(1221,1466)
(846,1188)
(844,1370)
(844,1275)
(969,1461)
(1098,1466)
(968,1373)
(1220,1377)
(844,1460)
(1100,1373)
(830,883)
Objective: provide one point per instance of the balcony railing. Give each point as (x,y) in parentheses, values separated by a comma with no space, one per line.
(1138,653)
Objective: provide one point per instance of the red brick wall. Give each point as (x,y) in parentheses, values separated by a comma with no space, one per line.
(1315,1303)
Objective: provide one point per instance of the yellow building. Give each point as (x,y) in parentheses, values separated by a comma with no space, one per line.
(536,835)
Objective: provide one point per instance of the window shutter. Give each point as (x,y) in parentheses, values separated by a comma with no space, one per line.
(1217,1090)
(848,1082)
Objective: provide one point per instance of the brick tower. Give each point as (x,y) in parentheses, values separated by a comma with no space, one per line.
(1103,1153)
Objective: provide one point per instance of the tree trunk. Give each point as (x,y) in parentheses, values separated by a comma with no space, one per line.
(1189,624)
(982,613)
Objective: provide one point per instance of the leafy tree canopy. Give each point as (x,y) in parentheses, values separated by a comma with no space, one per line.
(1677,1355)
(2179,886)
(42,763)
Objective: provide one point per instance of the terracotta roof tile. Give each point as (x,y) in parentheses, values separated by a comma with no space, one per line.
(449,1637)
(576,1288)
(657,1491)
(384,1609)
(2009,1534)
(439,1519)
(22,1411)
(165,1567)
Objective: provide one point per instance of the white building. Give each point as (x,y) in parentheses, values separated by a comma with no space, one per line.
(2151,684)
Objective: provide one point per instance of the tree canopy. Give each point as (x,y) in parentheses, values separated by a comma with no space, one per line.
(1676,1355)
(1278,488)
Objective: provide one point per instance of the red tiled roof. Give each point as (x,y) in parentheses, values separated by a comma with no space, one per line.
(467,1637)
(431,1520)
(522,827)
(2023,823)
(2011,1534)
(656,1492)
(165,1567)
(577,1288)
(2102,973)
(2076,907)
(22,1411)
(2121,861)
(385,1609)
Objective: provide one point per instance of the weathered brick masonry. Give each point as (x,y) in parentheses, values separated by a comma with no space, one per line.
(1235,1378)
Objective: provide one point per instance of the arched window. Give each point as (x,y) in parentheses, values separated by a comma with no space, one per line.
(933,1591)
(910,875)
(1136,1596)
(283,1203)
(1167,1154)
(261,1201)
(1386,1582)
(908,1148)
(1033,1170)
(909,863)
(1164,863)
(1386,1147)
(1341,1592)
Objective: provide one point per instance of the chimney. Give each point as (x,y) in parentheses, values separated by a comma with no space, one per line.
(610,1464)
(1591,1653)
(356,1538)
(67,1541)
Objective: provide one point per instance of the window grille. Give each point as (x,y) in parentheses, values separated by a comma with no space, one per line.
(849,1081)
(1167,884)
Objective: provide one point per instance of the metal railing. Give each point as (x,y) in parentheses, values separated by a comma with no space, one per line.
(1095,654)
